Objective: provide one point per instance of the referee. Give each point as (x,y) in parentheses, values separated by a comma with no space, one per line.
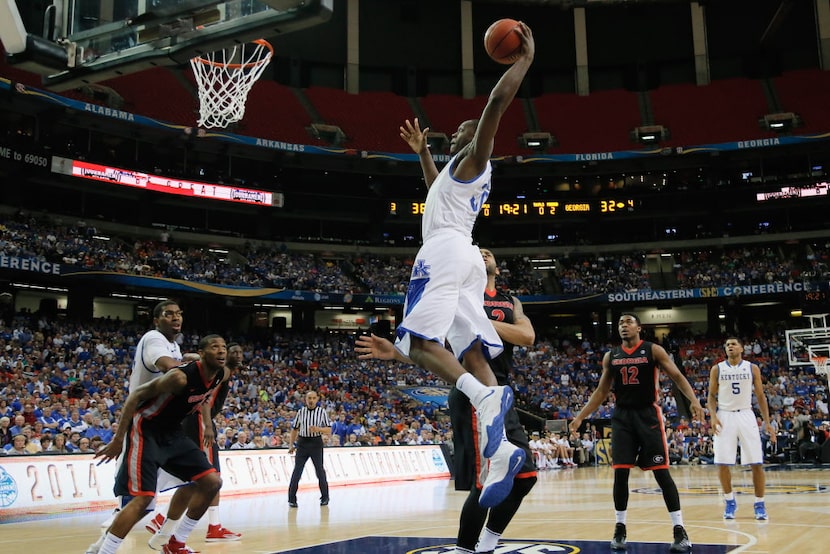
(310,424)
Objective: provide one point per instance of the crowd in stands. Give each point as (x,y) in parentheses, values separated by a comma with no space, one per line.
(744,266)
(62,387)
(586,275)
(259,265)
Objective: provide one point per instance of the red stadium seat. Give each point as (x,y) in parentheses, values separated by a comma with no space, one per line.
(599,122)
(446,112)
(370,120)
(158,94)
(273,112)
(805,92)
(723,111)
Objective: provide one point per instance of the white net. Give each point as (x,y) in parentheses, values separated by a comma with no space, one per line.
(224,79)
(820,362)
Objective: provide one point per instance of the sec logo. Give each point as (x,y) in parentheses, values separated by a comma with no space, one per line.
(512,547)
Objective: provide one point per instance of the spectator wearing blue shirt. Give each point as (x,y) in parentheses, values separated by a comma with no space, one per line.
(19,423)
(74,442)
(76,422)
(340,428)
(48,421)
(96,429)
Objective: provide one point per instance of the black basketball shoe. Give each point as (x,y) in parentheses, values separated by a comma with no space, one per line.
(681,540)
(618,542)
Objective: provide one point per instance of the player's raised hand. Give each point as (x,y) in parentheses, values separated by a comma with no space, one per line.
(412,134)
(528,44)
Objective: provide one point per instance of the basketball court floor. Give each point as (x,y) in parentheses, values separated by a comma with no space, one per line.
(569,511)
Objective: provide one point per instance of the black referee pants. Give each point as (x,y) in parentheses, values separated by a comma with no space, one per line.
(308,447)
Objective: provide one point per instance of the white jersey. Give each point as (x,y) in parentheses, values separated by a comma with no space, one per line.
(452,204)
(152,346)
(734,386)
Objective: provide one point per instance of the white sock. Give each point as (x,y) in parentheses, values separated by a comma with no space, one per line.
(213,515)
(111,544)
(101,539)
(759,499)
(487,541)
(729,496)
(184,529)
(472,387)
(676,517)
(168,527)
(621,515)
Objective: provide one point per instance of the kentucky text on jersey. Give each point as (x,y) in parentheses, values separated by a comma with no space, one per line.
(742,376)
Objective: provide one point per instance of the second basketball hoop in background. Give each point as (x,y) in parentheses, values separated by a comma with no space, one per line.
(820,363)
(225,77)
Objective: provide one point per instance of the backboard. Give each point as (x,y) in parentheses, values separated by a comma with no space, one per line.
(810,342)
(75,42)
(557,426)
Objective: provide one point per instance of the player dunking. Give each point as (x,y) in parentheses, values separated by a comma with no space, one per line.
(152,438)
(443,301)
(731,383)
(505,312)
(638,436)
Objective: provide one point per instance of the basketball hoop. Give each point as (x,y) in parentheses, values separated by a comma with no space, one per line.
(224,79)
(820,362)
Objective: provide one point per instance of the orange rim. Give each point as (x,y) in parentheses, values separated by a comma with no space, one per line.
(261,42)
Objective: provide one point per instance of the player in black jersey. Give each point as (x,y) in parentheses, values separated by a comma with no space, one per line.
(514,328)
(200,428)
(151,424)
(637,430)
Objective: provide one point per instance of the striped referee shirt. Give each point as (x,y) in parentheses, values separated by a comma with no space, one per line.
(306,418)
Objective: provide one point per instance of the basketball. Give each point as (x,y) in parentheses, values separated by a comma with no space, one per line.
(502,41)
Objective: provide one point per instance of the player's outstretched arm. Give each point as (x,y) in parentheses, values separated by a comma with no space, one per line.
(374,347)
(598,396)
(520,332)
(412,134)
(666,364)
(500,98)
(171,382)
(763,406)
(712,400)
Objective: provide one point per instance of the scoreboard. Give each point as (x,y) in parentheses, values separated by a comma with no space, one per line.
(532,209)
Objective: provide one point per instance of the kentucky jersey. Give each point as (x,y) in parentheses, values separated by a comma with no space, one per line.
(169,409)
(452,204)
(635,375)
(152,346)
(499,307)
(734,386)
